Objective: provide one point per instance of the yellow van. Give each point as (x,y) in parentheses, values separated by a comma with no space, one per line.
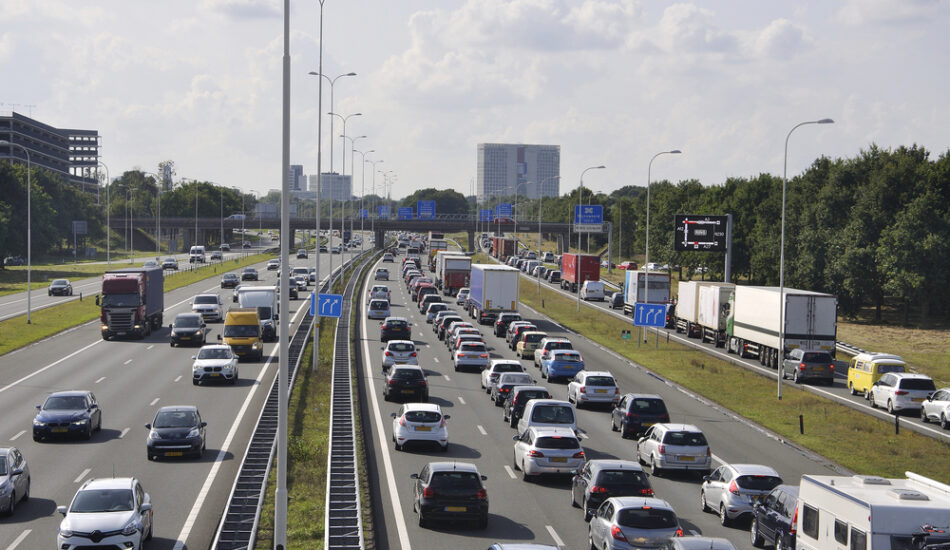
(242,331)
(867,368)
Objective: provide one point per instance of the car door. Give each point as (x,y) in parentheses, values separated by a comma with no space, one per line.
(937,403)
(880,391)
(619,412)
(600,522)
(141,497)
(580,483)
(714,487)
(645,443)
(768,515)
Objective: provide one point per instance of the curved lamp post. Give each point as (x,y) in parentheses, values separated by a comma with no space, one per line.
(646,260)
(580,190)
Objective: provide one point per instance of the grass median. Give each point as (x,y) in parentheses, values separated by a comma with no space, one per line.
(853,439)
(16,333)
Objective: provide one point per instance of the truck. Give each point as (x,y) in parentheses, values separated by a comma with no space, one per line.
(132,302)
(454,272)
(714,312)
(634,289)
(493,290)
(577,268)
(436,235)
(503,248)
(753,327)
(434,247)
(264,298)
(242,331)
(686,318)
(864,511)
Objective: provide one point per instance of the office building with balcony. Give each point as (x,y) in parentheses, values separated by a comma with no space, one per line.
(505,169)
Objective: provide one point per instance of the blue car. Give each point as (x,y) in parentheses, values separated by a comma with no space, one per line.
(67,413)
(561,363)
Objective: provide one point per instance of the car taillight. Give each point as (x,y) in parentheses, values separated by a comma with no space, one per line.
(708,452)
(617,533)
(442,425)
(900,392)
(679,532)
(387,354)
(482,494)
(646,492)
(632,415)
(579,454)
(402,421)
(661,449)
(599,490)
(413,354)
(483,355)
(459,355)
(793,529)
(504,390)
(428,492)
(536,454)
(583,389)
(391,382)
(423,383)
(734,487)
(801,366)
(666,418)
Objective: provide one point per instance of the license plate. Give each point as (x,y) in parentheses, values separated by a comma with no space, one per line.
(819,369)
(60,430)
(471,357)
(647,424)
(173,453)
(215,374)
(456,509)
(687,458)
(122,333)
(408,391)
(918,400)
(423,429)
(600,391)
(186,337)
(558,459)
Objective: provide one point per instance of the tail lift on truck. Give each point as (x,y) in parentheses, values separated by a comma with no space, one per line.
(494,290)
(132,302)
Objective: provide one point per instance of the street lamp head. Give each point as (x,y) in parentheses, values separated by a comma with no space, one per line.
(675,152)
(826,121)
(599,167)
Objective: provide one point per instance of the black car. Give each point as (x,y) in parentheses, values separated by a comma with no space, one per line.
(599,480)
(450,491)
(554,276)
(406,382)
(66,413)
(60,287)
(230,280)
(291,288)
(518,398)
(176,431)
(249,274)
(636,412)
(616,300)
(395,328)
(226,247)
(504,319)
(188,328)
(772,518)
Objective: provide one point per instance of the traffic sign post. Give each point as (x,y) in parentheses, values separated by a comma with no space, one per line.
(331,305)
(649,315)
(364,213)
(589,218)
(485,215)
(383,212)
(425,210)
(503,210)
(404,213)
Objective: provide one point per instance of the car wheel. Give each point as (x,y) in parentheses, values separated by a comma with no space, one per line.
(723,516)
(588,511)
(514,463)
(590,542)
(702,501)
(525,477)
(396,444)
(194,382)
(99,424)
(544,373)
(654,468)
(944,423)
(12,507)
(757,540)
(512,422)
(573,500)
(795,378)
(871,399)
(890,407)
(445,448)
(851,389)
(613,425)
(483,522)
(88,435)
(923,416)
(422,519)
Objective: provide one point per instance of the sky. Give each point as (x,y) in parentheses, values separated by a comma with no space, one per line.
(612,82)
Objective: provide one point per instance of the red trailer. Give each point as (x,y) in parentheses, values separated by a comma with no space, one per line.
(502,247)
(577,268)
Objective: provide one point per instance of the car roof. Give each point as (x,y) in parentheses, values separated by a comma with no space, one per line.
(643,396)
(406,367)
(452,467)
(528,388)
(495,362)
(69,393)
(704,543)
(410,342)
(430,407)
(640,502)
(596,373)
(394,318)
(177,408)
(910,375)
(677,427)
(556,339)
(614,464)
(537,402)
(187,315)
(753,469)
(565,352)
(215,346)
(559,431)
(108,483)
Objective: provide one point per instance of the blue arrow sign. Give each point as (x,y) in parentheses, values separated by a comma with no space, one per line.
(426,210)
(331,305)
(649,315)
(485,215)
(404,213)
(383,212)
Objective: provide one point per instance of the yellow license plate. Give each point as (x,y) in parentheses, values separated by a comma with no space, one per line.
(918,400)
(186,337)
(647,424)
(558,459)
(687,458)
(600,391)
(60,430)
(408,391)
(456,509)
(215,374)
(423,429)
(173,453)
(819,369)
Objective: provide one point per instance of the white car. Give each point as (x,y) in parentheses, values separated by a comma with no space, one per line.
(378,309)
(400,352)
(675,447)
(434,309)
(589,387)
(209,306)
(420,422)
(462,297)
(937,408)
(273,264)
(379,292)
(898,391)
(494,370)
(118,509)
(214,362)
(471,354)
(542,450)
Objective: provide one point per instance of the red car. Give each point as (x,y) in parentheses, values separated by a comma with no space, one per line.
(627,265)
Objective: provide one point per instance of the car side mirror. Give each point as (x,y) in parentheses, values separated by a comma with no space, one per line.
(38,407)
(204,424)
(93,406)
(195,356)
(148,426)
(61,510)
(414,476)
(515,437)
(219,338)
(17,472)
(145,507)
(484,477)
(706,478)
(446,416)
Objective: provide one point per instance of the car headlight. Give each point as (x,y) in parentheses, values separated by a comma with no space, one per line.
(194,432)
(154,435)
(198,332)
(130,528)
(39,423)
(80,422)
(65,533)
(257,345)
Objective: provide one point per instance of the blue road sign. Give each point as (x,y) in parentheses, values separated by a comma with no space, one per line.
(404,213)
(649,315)
(503,210)
(364,213)
(588,213)
(425,210)
(485,215)
(331,305)
(383,212)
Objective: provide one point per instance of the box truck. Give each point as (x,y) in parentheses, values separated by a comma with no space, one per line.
(811,322)
(494,289)
(132,302)
(635,289)
(713,311)
(686,317)
(264,298)
(577,268)
(453,274)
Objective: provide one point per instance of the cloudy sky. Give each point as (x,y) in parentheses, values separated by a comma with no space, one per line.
(610,81)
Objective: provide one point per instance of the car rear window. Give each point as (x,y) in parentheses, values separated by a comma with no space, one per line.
(557,442)
(401,346)
(379,304)
(423,416)
(528,395)
(408,374)
(455,480)
(647,518)
(515,379)
(884,369)
(615,478)
(758,483)
(470,347)
(532,338)
(648,406)
(571,357)
(817,357)
(396,324)
(559,345)
(917,384)
(552,414)
(600,381)
(690,439)
(509,367)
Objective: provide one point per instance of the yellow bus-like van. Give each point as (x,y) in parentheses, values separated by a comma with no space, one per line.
(867,368)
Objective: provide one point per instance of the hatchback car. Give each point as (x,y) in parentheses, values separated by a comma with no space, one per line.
(176,431)
(514,404)
(14,479)
(188,328)
(543,450)
(378,309)
(382,274)
(615,301)
(899,391)
(67,413)
(937,408)
(471,354)
(249,274)
(732,489)
(553,276)
(406,382)
(674,447)
(502,322)
(548,344)
(427,299)
(506,382)
(229,280)
(548,413)
(209,306)
(805,365)
(599,480)
(434,308)
(420,422)
(774,518)
(170,263)
(116,511)
(636,412)
(379,292)
(443,325)
(593,388)
(561,363)
(441,315)
(395,328)
(513,327)
(450,491)
(462,297)
(399,352)
(302,281)
(527,342)
(216,362)
(60,287)
(495,369)
(623,523)
(387,257)
(273,264)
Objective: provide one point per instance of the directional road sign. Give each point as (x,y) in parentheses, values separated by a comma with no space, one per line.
(364,213)
(331,305)
(426,210)
(588,218)
(695,232)
(649,315)
(404,213)
(485,215)
(383,212)
(503,210)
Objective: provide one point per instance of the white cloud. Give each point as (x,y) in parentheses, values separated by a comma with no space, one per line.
(781,39)
(245,9)
(687,28)
(860,12)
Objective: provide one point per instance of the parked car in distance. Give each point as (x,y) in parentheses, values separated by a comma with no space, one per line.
(187,328)
(649,521)
(732,489)
(215,362)
(408,383)
(593,388)
(229,280)
(450,491)
(14,479)
(636,412)
(668,447)
(117,508)
(176,431)
(547,450)
(67,413)
(399,352)
(378,309)
(60,287)
(516,400)
(420,422)
(170,263)
(599,480)
(774,517)
(805,365)
(627,265)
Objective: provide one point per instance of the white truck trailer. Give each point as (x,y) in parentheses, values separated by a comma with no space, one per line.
(811,322)
(687,306)
(635,289)
(713,311)
(493,290)
(264,299)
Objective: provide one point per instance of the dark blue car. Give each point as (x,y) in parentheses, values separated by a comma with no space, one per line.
(67,413)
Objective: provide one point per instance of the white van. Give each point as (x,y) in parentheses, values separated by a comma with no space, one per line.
(593,290)
(197,254)
(548,413)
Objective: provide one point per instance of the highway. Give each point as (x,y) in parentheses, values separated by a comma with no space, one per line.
(131,380)
(541,511)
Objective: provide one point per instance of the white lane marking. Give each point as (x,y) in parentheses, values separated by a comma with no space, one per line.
(125,431)
(446,376)
(694,532)
(553,533)
(717,459)
(395,505)
(481,429)
(17,436)
(436,359)
(16,542)
(511,472)
(82,475)
(177,378)
(127,362)
(99,380)
(152,404)
(219,459)
(461,400)
(583,435)
(150,346)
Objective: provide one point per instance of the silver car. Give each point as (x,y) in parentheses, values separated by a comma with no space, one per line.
(628,523)
(732,489)
(378,309)
(471,354)
(674,447)
(433,309)
(498,366)
(14,479)
(937,408)
(400,352)
(547,451)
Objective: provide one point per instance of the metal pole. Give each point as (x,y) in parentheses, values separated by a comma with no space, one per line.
(727,271)
(580,192)
(221,214)
(646,259)
(108,217)
(196,210)
(316,291)
(131,229)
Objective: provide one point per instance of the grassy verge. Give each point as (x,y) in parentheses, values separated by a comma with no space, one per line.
(853,439)
(925,350)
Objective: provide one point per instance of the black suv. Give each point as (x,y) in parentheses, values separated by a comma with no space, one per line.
(188,329)
(406,382)
(450,491)
(395,328)
(636,412)
(772,518)
(518,398)
(501,324)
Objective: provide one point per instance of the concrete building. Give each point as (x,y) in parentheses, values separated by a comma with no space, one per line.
(312,182)
(529,170)
(295,178)
(336,187)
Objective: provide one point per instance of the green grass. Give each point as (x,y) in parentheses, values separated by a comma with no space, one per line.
(851,438)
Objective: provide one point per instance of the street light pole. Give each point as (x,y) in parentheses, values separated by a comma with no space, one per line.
(646,260)
(781,263)
(342,179)
(108,205)
(29,228)
(352,179)
(362,192)
(541,196)
(580,192)
(316,317)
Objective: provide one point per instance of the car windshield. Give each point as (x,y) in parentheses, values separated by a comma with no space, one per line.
(65,403)
(230,276)
(455,481)
(169,259)
(187,322)
(175,419)
(553,414)
(401,346)
(215,353)
(60,282)
(691,439)
(241,331)
(422,416)
(120,300)
(600,381)
(93,501)
(463,293)
(646,518)
(408,374)
(613,478)
(206,299)
(250,270)
(648,406)
(379,304)
(758,483)
(817,357)
(557,442)
(382,271)
(917,384)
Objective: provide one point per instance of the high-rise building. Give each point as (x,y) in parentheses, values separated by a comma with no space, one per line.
(526,170)
(312,182)
(72,153)
(295,177)
(336,187)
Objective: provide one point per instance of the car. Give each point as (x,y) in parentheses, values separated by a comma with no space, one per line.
(527,342)
(553,276)
(900,391)
(450,491)
(561,363)
(60,287)
(234,295)
(301,281)
(627,265)
(490,375)
(516,400)
(177,430)
(382,274)
(209,306)
(226,247)
(301,271)
(513,327)
(446,323)
(636,412)
(249,274)
(648,521)
(188,328)
(302,254)
(817,366)
(503,320)
(937,408)
(433,309)
(696,542)
(732,489)
(462,297)
(217,255)
(116,511)
(14,479)
(543,450)
(668,447)
(67,413)
(395,328)
(599,480)
(506,381)
(593,387)
(312,274)
(229,280)
(170,263)
(442,315)
(337,249)
(459,329)
(399,352)
(379,292)
(774,518)
(246,244)
(522,546)
(615,301)
(549,344)
(406,382)
(273,264)
(387,257)
(378,309)
(548,412)
(14,260)
(216,362)
(292,286)
(150,264)
(420,422)
(471,354)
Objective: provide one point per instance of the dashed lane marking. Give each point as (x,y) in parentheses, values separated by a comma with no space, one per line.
(511,472)
(553,533)
(177,378)
(127,362)
(99,380)
(461,400)
(482,430)
(17,436)
(152,404)
(82,475)
(16,542)
(125,431)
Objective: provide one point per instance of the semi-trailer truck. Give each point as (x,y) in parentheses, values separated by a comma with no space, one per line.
(686,317)
(132,302)
(577,268)
(635,286)
(494,289)
(714,312)
(453,272)
(503,248)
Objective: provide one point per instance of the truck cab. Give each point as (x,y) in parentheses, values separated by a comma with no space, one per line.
(242,331)
(132,302)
